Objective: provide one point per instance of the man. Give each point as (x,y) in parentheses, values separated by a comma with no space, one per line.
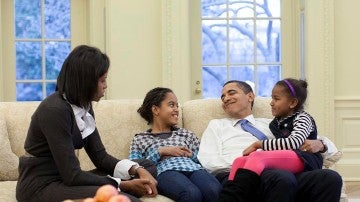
(223,141)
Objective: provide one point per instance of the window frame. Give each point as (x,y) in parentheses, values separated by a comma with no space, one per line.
(290,42)
(78,27)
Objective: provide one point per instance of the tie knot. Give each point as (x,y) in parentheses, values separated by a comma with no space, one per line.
(246,126)
(243,121)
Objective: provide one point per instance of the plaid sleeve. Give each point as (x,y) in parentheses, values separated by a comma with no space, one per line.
(135,149)
(194,145)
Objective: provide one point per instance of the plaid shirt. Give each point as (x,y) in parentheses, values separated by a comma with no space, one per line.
(146,144)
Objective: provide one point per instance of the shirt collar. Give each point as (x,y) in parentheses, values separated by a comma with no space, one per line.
(78,111)
(84,120)
(288,117)
(250,118)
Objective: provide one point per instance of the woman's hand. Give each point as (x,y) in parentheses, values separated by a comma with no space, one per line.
(145,186)
(175,151)
(253,147)
(151,186)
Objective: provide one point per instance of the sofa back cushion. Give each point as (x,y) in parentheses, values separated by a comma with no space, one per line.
(9,161)
(18,117)
(198,113)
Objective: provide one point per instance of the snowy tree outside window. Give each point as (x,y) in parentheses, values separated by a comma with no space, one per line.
(241,40)
(42,42)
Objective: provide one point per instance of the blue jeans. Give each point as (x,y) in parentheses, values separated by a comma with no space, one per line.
(191,186)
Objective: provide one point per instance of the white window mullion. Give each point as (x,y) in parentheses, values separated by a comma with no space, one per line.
(255,65)
(227,41)
(43,65)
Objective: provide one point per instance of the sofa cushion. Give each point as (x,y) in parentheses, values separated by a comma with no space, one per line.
(330,161)
(198,113)
(9,161)
(7,191)
(18,117)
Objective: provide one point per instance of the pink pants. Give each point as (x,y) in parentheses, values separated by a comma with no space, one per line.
(259,160)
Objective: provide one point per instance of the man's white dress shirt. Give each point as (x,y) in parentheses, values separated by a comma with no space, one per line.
(224,140)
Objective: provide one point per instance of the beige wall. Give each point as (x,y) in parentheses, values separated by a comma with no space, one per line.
(347,45)
(331,42)
(347,85)
(133,42)
(149,45)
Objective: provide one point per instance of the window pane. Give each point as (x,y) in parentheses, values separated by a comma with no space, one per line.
(213,8)
(245,42)
(243,8)
(268,44)
(241,35)
(213,79)
(57,19)
(28,60)
(267,77)
(268,8)
(28,91)
(55,54)
(242,73)
(27,19)
(50,88)
(214,41)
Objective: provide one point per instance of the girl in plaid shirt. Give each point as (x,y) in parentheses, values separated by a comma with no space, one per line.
(174,151)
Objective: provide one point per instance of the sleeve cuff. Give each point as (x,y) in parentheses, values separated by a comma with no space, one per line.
(122,169)
(117,180)
(331,147)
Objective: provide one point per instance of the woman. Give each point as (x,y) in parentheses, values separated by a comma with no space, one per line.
(63,122)
(173,150)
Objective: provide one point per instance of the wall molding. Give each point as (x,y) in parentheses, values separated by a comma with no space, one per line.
(168,39)
(346,98)
(347,124)
(328,64)
(347,102)
(319,62)
(176,69)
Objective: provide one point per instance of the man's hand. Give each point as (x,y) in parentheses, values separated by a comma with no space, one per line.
(253,147)
(312,146)
(175,151)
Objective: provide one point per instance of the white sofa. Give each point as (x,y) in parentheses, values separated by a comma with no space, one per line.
(117,122)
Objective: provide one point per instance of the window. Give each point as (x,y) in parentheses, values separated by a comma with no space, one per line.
(42,42)
(241,40)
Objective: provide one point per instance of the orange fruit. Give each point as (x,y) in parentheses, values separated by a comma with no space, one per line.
(119,198)
(105,192)
(89,200)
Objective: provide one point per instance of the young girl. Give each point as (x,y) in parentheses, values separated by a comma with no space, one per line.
(174,151)
(291,126)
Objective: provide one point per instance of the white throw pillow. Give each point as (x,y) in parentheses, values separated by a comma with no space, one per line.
(9,161)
